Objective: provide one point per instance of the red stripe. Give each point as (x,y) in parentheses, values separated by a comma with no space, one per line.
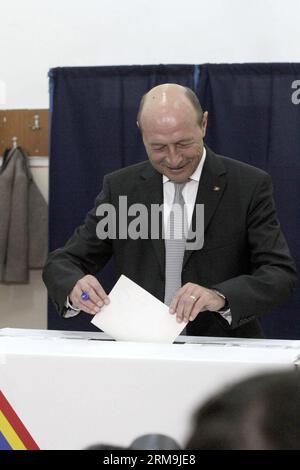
(17,424)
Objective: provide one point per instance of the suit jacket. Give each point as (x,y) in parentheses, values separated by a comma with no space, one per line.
(244,256)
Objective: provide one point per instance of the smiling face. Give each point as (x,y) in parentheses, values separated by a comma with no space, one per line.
(172,135)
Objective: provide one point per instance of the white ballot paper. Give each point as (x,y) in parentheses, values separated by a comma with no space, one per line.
(135,315)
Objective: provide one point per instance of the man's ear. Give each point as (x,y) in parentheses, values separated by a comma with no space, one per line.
(139,127)
(204,122)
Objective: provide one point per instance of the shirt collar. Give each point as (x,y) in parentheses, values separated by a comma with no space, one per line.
(197,173)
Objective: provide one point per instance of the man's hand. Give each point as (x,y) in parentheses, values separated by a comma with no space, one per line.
(192,299)
(97,295)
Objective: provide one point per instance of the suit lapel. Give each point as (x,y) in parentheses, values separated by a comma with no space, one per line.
(151,192)
(210,191)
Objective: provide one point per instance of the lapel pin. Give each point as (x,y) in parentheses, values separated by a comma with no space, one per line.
(216,188)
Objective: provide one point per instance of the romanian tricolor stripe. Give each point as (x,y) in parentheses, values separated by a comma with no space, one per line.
(13,434)
(4,445)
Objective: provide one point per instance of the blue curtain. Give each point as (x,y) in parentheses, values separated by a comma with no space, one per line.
(252,118)
(93,132)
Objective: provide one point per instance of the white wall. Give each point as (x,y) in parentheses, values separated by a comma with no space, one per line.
(36,35)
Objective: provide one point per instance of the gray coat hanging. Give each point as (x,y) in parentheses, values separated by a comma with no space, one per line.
(23,220)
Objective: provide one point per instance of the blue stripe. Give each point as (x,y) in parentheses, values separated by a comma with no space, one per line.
(4,445)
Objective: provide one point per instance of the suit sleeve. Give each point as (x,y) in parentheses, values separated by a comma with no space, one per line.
(272,277)
(84,253)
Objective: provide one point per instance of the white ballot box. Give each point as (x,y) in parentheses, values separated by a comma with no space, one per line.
(71,390)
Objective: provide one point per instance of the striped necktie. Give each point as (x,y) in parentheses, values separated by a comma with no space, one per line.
(175,241)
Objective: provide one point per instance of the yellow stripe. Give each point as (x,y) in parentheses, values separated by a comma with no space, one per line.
(10,435)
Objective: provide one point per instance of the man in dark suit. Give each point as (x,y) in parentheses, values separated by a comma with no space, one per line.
(243,269)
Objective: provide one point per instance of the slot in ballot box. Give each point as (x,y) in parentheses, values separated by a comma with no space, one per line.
(71,390)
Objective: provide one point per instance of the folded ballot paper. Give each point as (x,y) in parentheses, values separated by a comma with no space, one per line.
(135,315)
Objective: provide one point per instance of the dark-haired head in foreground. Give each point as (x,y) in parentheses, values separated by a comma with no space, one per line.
(143,442)
(258,413)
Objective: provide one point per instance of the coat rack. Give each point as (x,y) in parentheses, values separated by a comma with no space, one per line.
(27,128)
(14,142)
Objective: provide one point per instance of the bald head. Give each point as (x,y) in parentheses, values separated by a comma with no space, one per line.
(173,127)
(162,101)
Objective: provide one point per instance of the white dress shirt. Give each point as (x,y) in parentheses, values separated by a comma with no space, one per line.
(189,192)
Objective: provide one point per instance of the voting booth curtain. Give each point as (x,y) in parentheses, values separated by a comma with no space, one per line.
(252,118)
(93,131)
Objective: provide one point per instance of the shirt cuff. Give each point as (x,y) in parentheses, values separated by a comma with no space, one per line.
(70,310)
(225,311)
(226,315)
